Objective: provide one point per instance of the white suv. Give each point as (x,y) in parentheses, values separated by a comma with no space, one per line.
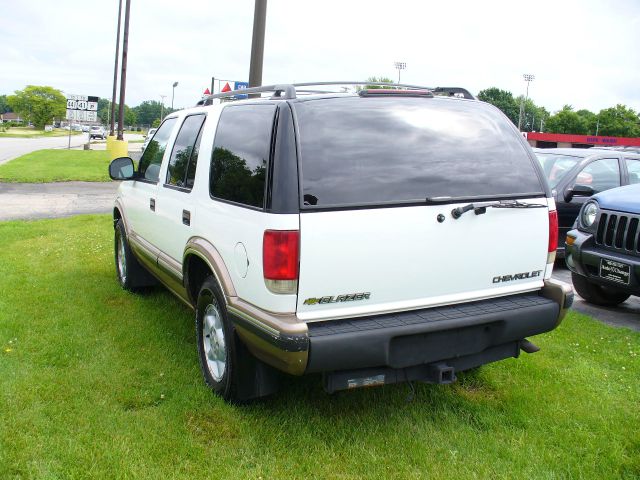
(376,236)
(97,132)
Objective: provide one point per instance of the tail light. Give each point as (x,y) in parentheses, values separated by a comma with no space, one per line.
(553,236)
(280,258)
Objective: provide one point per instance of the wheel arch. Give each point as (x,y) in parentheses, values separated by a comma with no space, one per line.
(118,214)
(201,259)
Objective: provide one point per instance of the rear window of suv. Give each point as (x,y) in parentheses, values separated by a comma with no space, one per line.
(367,151)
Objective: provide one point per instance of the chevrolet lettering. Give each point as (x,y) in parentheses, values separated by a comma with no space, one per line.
(516,276)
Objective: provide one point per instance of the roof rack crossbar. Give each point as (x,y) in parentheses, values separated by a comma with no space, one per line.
(288,91)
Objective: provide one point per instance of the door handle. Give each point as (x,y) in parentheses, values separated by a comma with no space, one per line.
(152,204)
(186,217)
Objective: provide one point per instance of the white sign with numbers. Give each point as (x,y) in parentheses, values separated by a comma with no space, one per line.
(82,108)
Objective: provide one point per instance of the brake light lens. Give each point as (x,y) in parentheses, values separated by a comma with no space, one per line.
(280,258)
(553,231)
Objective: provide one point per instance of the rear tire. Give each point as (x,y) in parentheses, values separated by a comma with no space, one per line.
(131,275)
(216,342)
(597,294)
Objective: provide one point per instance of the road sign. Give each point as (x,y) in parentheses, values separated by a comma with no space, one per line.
(241,86)
(82,108)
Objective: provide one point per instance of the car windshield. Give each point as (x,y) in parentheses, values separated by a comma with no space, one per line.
(392,149)
(556,166)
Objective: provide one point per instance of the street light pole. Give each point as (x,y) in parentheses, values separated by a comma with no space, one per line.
(173,93)
(162,97)
(527,78)
(400,66)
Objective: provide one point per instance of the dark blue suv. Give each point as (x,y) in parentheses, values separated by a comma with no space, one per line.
(603,250)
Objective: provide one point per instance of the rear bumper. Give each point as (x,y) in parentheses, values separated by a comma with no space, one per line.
(464,335)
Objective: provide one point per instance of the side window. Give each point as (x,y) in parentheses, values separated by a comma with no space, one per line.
(600,175)
(241,154)
(633,166)
(149,167)
(182,163)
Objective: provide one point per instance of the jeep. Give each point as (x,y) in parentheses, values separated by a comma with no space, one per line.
(603,249)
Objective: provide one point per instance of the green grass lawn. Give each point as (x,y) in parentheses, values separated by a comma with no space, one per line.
(96,382)
(57,166)
(26,132)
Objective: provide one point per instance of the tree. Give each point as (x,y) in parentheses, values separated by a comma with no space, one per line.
(591,120)
(130,117)
(531,115)
(567,121)
(375,80)
(619,121)
(150,110)
(104,113)
(39,105)
(503,100)
(4,105)
(104,110)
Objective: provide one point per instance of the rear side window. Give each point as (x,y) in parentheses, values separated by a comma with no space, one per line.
(633,166)
(556,167)
(241,154)
(363,151)
(149,167)
(600,175)
(182,164)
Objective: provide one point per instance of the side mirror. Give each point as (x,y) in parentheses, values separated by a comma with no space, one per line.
(121,169)
(578,191)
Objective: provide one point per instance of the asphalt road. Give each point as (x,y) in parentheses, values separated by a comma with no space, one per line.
(29,201)
(11,148)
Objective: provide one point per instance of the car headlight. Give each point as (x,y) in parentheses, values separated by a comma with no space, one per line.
(589,214)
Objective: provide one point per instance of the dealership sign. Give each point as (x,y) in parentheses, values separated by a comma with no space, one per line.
(82,108)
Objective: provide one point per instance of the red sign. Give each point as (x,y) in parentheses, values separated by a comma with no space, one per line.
(586,139)
(207,92)
(226,88)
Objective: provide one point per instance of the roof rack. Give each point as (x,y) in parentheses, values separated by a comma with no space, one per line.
(288,91)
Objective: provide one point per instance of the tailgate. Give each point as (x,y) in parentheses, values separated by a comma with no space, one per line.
(358,262)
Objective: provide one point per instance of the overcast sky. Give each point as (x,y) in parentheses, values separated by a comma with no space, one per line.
(582,52)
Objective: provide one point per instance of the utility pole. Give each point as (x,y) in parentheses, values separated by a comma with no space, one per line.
(527,78)
(173,93)
(112,109)
(257,45)
(400,66)
(123,74)
(162,97)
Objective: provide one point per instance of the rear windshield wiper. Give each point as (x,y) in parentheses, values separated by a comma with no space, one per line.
(481,207)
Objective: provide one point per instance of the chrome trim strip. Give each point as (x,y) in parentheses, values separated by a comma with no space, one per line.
(265,328)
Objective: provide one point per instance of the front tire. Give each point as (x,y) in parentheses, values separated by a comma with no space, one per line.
(597,294)
(131,275)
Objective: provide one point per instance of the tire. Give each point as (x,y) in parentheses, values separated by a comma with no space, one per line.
(131,275)
(216,341)
(597,294)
